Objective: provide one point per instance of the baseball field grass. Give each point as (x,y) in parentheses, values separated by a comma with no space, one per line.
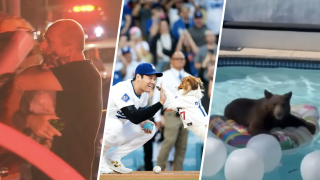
(164,175)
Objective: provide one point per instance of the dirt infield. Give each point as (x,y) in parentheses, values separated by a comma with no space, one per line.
(176,175)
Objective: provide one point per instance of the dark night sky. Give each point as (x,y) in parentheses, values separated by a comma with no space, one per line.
(34,12)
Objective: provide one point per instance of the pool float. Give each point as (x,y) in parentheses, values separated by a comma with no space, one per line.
(291,139)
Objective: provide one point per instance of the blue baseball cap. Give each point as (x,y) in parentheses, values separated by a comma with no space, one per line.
(125,50)
(147,69)
(198,14)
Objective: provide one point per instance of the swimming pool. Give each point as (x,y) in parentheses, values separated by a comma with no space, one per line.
(250,82)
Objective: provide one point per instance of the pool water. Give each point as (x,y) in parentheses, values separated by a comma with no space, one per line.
(249,82)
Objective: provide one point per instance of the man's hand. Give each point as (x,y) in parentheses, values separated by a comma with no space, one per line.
(39,124)
(146,130)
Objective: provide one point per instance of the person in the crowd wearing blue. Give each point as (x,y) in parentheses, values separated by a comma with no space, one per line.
(126,20)
(185,22)
(156,13)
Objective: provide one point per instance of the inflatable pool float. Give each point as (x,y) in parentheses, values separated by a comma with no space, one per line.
(291,139)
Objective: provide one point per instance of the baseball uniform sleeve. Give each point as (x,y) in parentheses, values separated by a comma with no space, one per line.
(121,97)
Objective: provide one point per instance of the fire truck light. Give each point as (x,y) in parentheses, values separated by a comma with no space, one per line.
(83,8)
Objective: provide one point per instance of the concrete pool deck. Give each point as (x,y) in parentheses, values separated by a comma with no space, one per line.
(269,53)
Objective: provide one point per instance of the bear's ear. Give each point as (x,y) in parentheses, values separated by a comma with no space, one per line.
(288,95)
(267,94)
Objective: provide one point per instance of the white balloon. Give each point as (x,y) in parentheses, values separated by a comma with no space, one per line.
(244,164)
(310,166)
(268,148)
(214,158)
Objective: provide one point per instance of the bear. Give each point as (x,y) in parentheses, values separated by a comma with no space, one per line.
(260,116)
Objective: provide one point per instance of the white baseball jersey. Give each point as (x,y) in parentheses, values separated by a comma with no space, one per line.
(122,95)
(172,76)
(189,107)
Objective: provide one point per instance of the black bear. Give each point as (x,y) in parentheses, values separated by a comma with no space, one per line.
(259,116)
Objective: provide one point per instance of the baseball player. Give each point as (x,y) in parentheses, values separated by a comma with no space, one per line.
(127,113)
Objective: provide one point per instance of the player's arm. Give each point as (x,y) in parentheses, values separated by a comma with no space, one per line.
(33,79)
(137,116)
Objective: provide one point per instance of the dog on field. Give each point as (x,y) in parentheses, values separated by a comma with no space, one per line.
(187,102)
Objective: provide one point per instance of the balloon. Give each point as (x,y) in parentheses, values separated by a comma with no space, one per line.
(244,164)
(268,148)
(214,158)
(310,166)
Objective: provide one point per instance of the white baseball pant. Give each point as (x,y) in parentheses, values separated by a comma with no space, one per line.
(127,136)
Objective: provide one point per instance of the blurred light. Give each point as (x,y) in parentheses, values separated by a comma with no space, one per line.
(35,35)
(89,8)
(69,11)
(104,75)
(76,9)
(101,13)
(99,8)
(98,30)
(104,18)
(86,36)
(83,8)
(98,34)
(91,45)
(38,32)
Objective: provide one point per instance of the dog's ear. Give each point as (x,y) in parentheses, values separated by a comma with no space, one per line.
(200,84)
(189,88)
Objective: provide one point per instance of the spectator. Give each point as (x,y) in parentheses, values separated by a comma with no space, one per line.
(185,22)
(142,12)
(198,30)
(172,7)
(140,47)
(126,20)
(210,74)
(153,22)
(214,15)
(189,49)
(129,65)
(123,41)
(175,134)
(204,50)
(206,75)
(162,47)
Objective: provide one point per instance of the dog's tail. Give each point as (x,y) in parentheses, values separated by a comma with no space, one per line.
(198,130)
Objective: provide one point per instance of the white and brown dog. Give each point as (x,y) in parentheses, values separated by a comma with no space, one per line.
(187,102)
